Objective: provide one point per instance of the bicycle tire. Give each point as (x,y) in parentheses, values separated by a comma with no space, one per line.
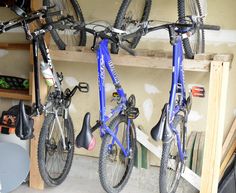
(104,153)
(165,158)
(121,17)
(197,43)
(42,151)
(77,39)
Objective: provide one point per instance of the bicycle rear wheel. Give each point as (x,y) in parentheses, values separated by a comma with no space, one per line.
(114,167)
(196,43)
(67,37)
(54,161)
(130,15)
(171,166)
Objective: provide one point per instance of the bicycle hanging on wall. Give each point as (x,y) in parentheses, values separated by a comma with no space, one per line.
(56,140)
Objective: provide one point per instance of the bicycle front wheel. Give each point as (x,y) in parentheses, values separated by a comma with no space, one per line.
(114,167)
(54,159)
(65,38)
(130,15)
(171,166)
(196,43)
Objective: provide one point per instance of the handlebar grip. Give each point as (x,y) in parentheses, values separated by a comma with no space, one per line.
(210,27)
(127,49)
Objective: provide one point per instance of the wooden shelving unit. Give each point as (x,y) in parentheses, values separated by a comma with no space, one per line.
(217,65)
(16,94)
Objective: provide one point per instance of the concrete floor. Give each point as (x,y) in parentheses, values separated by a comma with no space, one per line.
(83,178)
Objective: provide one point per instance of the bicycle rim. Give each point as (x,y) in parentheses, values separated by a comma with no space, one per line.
(67,38)
(171,166)
(114,167)
(129,17)
(198,39)
(194,44)
(55,160)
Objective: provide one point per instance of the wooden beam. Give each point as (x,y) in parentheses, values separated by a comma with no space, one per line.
(16,46)
(215,126)
(35,177)
(87,56)
(15,94)
(227,158)
(36,4)
(229,139)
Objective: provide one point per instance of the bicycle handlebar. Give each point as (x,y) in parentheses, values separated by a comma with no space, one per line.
(14,23)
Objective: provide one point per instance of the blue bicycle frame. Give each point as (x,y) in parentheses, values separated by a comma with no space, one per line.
(104,62)
(177,90)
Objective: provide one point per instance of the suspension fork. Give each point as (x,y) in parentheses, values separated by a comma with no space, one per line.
(60,127)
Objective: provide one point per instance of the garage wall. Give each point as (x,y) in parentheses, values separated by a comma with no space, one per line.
(151,86)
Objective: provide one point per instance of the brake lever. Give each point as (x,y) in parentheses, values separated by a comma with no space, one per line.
(27,30)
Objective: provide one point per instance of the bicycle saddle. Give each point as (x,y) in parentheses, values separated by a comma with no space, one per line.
(158,130)
(24,123)
(85,138)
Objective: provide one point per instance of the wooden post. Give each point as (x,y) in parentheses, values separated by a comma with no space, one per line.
(35,177)
(215,126)
(35,180)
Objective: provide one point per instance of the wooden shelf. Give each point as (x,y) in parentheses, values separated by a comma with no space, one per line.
(15,46)
(144,58)
(15,94)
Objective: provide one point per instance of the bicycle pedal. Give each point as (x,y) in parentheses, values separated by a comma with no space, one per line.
(83,87)
(132,112)
(115,94)
(198,91)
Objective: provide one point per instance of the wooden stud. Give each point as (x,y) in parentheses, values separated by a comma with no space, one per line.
(195,152)
(138,157)
(227,158)
(128,60)
(190,147)
(36,4)
(200,154)
(17,46)
(35,178)
(15,94)
(215,126)
(229,139)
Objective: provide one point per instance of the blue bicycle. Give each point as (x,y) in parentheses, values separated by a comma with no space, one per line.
(118,147)
(172,126)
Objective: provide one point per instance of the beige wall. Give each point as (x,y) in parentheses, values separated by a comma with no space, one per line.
(151,86)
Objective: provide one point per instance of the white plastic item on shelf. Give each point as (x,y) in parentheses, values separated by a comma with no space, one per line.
(47,73)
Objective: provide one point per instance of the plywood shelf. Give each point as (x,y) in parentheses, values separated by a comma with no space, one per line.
(15,94)
(144,58)
(15,46)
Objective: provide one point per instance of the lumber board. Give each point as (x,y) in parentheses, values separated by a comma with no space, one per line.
(138,157)
(231,136)
(35,180)
(15,46)
(15,94)
(218,85)
(189,149)
(200,154)
(128,60)
(195,152)
(227,158)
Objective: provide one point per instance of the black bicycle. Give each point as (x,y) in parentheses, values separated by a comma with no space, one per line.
(66,37)
(56,140)
(195,43)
